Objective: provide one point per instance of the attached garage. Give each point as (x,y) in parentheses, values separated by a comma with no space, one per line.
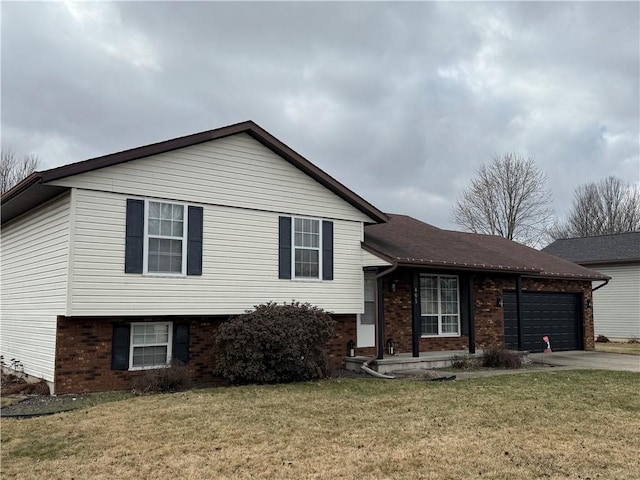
(556,315)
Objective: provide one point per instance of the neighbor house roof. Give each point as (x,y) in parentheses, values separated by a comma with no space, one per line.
(405,241)
(619,248)
(34,190)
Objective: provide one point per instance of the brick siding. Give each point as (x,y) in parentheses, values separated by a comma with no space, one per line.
(83,345)
(345,330)
(488,316)
(83,354)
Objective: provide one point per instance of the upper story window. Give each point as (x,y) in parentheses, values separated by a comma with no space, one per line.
(165,242)
(306,248)
(163,238)
(440,305)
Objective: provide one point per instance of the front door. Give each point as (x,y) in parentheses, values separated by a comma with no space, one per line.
(366,334)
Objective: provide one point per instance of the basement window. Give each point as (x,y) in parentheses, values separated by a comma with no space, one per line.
(150,345)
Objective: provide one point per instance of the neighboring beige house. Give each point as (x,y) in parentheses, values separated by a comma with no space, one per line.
(616,306)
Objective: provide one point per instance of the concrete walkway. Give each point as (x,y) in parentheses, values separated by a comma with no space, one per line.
(589,360)
(573,360)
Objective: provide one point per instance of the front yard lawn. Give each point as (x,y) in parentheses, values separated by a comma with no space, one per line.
(618,347)
(561,424)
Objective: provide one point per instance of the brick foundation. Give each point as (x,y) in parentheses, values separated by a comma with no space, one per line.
(83,354)
(337,347)
(83,345)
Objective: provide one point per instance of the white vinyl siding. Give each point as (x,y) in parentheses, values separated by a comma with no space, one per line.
(616,307)
(240,266)
(370,260)
(235,171)
(35,255)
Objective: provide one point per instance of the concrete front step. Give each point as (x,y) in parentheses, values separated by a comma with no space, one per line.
(403,362)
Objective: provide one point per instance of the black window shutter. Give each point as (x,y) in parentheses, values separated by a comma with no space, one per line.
(134,244)
(120,347)
(284,248)
(194,241)
(181,343)
(327,250)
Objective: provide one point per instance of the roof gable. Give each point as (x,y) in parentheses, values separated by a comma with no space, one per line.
(37,188)
(407,241)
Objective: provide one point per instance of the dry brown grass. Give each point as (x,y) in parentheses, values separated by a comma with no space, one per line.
(562,424)
(618,347)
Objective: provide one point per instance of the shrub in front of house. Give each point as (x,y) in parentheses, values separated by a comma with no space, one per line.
(463,362)
(172,378)
(602,339)
(275,344)
(496,357)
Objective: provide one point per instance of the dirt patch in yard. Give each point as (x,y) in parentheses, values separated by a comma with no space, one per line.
(35,405)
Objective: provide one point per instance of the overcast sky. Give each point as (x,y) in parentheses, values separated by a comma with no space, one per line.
(401,102)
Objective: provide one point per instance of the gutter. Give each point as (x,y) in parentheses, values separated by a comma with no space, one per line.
(600,286)
(24,184)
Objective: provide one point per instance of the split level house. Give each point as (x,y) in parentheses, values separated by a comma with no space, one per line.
(616,308)
(124,262)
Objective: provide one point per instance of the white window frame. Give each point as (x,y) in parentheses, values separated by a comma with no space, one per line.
(440,334)
(293,250)
(168,345)
(185,229)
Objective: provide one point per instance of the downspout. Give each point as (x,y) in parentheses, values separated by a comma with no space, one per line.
(600,286)
(379,323)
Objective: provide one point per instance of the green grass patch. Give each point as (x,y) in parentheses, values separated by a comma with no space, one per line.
(39,448)
(6,401)
(618,347)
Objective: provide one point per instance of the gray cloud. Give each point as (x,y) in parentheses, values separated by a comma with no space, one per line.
(401,102)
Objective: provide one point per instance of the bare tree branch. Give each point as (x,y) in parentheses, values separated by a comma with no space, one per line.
(509,198)
(607,207)
(13,169)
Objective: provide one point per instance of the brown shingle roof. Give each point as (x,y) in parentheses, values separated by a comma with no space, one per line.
(407,241)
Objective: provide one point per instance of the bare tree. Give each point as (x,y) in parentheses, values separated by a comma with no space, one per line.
(606,207)
(14,169)
(509,198)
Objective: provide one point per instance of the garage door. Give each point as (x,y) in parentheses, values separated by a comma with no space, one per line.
(556,315)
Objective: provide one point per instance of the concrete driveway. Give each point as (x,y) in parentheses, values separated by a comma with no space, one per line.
(589,360)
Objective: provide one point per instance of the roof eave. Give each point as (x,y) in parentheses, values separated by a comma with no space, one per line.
(249,127)
(593,263)
(377,253)
(567,276)
(476,267)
